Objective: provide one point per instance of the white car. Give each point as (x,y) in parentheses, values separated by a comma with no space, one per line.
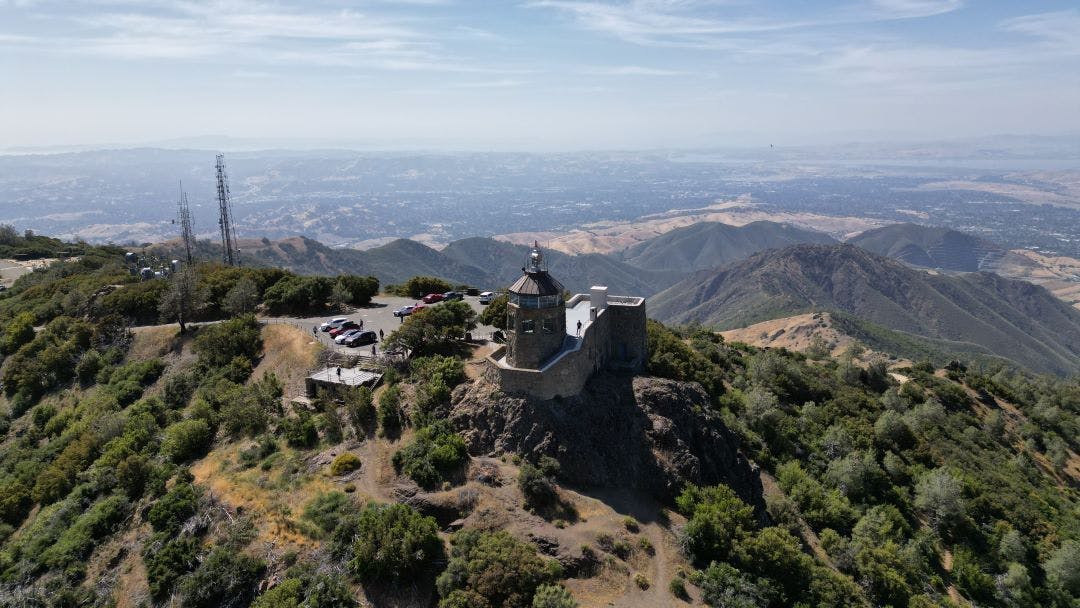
(487,297)
(332,323)
(345,335)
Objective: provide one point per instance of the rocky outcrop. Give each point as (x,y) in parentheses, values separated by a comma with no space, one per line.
(643,433)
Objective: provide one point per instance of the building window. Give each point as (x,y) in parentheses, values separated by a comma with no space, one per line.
(528,326)
(549,326)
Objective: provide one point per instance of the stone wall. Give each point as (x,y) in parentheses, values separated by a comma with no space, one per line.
(614,340)
(531,349)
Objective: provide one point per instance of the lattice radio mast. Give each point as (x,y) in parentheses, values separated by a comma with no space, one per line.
(187,235)
(230,255)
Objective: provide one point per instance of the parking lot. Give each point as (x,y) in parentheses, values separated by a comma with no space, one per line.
(379,315)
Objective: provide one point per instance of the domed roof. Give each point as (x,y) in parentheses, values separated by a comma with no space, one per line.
(538,283)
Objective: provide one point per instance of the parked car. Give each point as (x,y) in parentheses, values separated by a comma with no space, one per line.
(361,338)
(345,335)
(453,295)
(487,297)
(344,327)
(472,291)
(332,324)
(404,311)
(432,298)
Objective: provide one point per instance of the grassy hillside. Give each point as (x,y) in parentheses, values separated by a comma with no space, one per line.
(1009,319)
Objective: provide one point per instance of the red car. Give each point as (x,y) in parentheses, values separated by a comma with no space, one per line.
(432,298)
(344,327)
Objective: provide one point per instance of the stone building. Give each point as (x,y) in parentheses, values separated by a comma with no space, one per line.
(554,345)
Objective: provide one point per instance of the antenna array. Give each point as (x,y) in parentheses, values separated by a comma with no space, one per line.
(187,235)
(230,255)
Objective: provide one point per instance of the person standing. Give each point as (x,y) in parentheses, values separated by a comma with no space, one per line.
(380,335)
(579,328)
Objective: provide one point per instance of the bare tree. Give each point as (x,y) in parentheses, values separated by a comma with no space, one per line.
(182,300)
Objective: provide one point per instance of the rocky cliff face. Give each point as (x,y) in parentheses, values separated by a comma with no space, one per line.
(642,433)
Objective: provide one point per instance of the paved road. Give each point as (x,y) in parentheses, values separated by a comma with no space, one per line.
(379,315)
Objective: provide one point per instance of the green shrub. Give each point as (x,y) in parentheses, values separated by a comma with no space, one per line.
(179,388)
(537,488)
(218,344)
(300,432)
(433,455)
(418,287)
(1061,567)
(677,587)
(495,567)
(174,508)
(264,447)
(289,593)
(167,561)
(185,440)
(15,501)
(328,510)
(345,463)
(392,542)
(389,412)
(225,578)
(717,519)
(97,522)
(723,585)
(553,596)
(494,314)
(19,331)
(295,294)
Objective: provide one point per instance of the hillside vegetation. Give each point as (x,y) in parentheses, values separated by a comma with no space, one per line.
(152,468)
(972,313)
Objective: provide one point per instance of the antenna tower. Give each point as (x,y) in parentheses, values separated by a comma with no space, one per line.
(187,235)
(229,255)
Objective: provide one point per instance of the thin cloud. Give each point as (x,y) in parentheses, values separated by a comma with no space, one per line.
(1060,29)
(684,23)
(632,70)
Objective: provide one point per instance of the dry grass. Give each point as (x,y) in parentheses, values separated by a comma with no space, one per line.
(274,498)
(290,354)
(155,341)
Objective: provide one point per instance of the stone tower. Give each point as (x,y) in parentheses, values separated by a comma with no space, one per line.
(536,315)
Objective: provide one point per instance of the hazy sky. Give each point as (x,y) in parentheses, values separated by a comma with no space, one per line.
(537,73)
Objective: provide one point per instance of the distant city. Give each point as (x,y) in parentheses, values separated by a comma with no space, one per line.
(354,199)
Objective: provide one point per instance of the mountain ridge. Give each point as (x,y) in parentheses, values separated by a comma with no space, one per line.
(1012,319)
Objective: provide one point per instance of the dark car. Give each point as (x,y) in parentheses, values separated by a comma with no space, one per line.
(344,327)
(453,295)
(362,338)
(432,298)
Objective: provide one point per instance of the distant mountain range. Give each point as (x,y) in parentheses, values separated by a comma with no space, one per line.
(726,277)
(931,247)
(972,312)
(492,264)
(711,244)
